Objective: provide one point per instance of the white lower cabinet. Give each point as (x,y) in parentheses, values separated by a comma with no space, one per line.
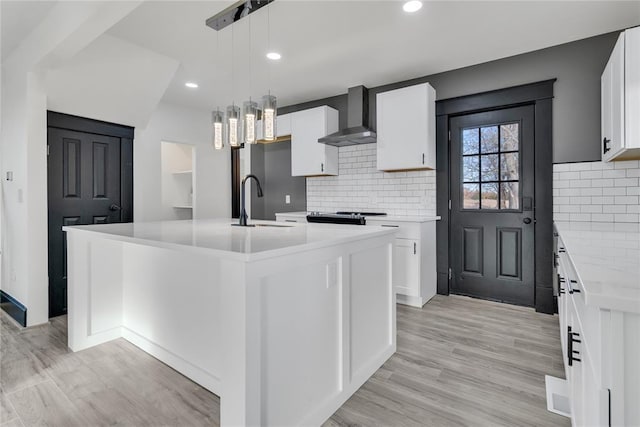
(601,352)
(414,274)
(414,260)
(406,267)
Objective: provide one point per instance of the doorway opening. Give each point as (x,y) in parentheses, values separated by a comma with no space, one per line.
(178,180)
(89,180)
(494,178)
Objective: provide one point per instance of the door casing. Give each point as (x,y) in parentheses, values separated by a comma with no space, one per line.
(540,96)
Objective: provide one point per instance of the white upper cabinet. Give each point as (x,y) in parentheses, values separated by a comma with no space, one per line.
(283,126)
(620,90)
(308,156)
(406,127)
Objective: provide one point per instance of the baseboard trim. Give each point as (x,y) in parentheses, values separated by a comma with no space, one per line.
(13,308)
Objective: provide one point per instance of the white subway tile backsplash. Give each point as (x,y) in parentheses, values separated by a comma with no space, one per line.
(590,174)
(626,200)
(614,209)
(359,186)
(601,192)
(614,173)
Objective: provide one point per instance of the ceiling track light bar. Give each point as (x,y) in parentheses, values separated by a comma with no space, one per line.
(235,12)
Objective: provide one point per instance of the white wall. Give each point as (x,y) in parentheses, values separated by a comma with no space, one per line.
(111,80)
(212,168)
(23,138)
(66,65)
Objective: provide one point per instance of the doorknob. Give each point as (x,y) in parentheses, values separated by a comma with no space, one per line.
(527,220)
(114,207)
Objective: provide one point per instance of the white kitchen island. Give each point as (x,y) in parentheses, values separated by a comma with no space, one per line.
(284,323)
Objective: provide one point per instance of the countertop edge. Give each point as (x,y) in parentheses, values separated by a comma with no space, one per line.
(250,257)
(607,301)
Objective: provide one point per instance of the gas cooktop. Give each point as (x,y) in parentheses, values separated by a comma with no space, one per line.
(342,217)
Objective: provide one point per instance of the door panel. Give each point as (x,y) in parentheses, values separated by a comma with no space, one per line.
(472,252)
(508,252)
(492,202)
(83,188)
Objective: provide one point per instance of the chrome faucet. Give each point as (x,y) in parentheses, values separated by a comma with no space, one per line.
(243,212)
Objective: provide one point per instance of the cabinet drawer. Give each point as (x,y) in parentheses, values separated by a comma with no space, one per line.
(587,318)
(405,230)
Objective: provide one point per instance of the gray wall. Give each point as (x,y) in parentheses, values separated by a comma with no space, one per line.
(271,163)
(577,66)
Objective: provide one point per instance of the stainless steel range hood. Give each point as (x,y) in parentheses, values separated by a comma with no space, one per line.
(357,131)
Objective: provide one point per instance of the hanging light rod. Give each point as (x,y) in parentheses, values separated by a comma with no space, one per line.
(235,12)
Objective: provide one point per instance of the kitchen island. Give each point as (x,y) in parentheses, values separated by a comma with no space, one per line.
(284,323)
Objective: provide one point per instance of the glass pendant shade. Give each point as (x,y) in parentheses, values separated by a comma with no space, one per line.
(250,122)
(233,126)
(269,113)
(217,125)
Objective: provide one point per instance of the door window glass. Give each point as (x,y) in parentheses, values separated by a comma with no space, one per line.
(491,167)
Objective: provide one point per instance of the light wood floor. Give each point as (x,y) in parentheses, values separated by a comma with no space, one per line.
(460,361)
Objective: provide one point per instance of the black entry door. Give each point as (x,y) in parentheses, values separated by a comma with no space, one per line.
(492,201)
(84,173)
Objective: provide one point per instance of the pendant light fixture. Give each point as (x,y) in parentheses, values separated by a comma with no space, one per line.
(232,124)
(233,133)
(250,108)
(250,121)
(217,122)
(217,118)
(269,106)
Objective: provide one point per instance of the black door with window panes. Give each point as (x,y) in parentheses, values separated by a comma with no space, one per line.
(492,203)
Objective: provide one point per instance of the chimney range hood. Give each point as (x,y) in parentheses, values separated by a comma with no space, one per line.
(357,131)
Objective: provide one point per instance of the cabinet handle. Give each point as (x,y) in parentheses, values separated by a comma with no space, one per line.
(290,220)
(570,350)
(605,143)
(415,249)
(423,158)
(387,225)
(321,167)
(571,290)
(555,260)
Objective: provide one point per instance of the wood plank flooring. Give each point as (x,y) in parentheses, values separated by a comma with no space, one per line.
(460,361)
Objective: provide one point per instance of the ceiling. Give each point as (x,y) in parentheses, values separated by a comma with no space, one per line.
(19,18)
(328,46)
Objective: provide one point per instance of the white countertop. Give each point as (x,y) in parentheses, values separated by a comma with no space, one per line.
(373,218)
(242,243)
(606,257)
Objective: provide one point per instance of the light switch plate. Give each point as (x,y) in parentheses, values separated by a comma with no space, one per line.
(287,199)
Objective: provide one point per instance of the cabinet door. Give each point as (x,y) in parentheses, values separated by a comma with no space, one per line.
(284,125)
(406,267)
(308,156)
(632,88)
(613,103)
(406,128)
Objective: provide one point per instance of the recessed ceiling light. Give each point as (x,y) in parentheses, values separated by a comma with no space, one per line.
(274,56)
(191,85)
(412,6)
